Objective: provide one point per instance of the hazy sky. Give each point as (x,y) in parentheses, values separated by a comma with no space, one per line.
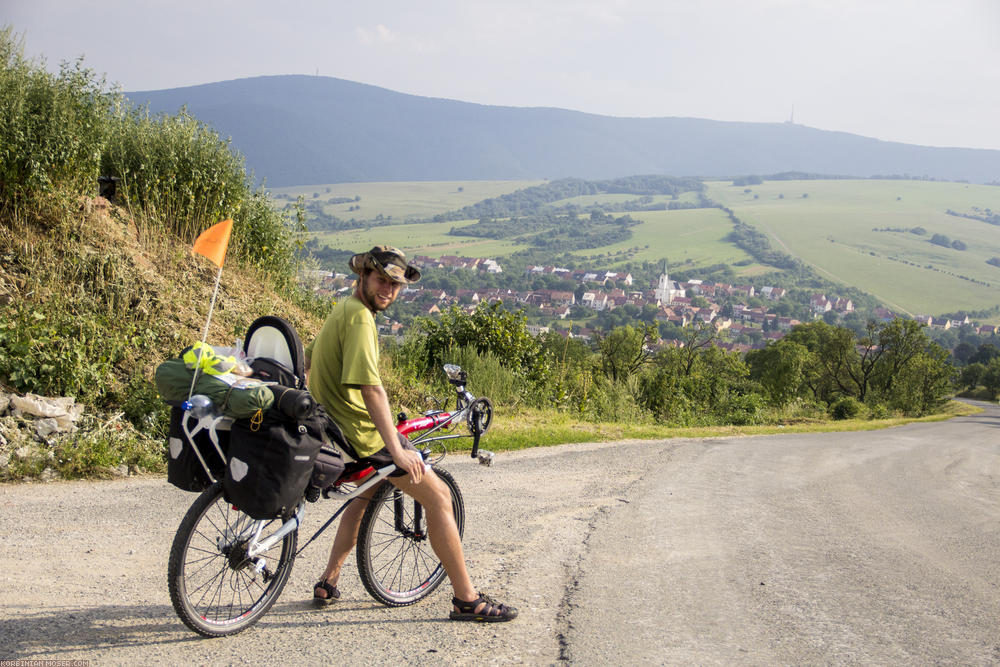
(916,71)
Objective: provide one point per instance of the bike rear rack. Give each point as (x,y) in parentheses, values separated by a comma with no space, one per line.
(201,408)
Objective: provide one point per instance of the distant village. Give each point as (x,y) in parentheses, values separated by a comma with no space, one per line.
(676,303)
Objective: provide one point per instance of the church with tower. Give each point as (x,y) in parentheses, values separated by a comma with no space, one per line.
(666,289)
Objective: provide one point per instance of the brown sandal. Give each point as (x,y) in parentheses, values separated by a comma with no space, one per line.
(491,612)
(332,593)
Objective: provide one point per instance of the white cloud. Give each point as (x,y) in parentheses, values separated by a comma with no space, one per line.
(377,35)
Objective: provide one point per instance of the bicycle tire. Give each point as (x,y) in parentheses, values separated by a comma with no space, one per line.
(215,590)
(398,567)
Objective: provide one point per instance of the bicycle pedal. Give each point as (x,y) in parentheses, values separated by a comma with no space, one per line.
(312,494)
(485,458)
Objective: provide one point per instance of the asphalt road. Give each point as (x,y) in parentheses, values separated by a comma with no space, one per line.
(878,547)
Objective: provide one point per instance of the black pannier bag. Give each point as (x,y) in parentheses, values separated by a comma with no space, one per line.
(184,470)
(271,462)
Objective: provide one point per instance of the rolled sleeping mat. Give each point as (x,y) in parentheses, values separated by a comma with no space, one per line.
(297,404)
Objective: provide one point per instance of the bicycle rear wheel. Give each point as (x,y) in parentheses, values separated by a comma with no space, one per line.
(216,589)
(395,559)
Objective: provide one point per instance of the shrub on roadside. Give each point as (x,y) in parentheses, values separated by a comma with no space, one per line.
(489,377)
(746,410)
(847,407)
(489,329)
(878,411)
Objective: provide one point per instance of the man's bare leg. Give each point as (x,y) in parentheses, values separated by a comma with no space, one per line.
(347,537)
(435,497)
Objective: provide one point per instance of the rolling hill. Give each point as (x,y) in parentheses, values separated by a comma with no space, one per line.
(298,130)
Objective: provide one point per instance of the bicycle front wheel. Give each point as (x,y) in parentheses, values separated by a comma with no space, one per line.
(395,559)
(215,587)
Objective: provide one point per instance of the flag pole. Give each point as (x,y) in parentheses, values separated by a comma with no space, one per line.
(212,243)
(204,336)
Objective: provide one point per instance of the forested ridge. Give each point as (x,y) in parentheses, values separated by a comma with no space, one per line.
(330,123)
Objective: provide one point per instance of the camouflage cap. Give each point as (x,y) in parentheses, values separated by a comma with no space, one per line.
(389,261)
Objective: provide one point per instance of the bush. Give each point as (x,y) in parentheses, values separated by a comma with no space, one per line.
(847,408)
(54,351)
(800,410)
(52,126)
(941,240)
(746,410)
(614,401)
(488,377)
(489,329)
(879,411)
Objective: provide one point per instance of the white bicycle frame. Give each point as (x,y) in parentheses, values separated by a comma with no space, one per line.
(256,548)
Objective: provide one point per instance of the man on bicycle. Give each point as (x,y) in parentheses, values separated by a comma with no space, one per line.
(344,378)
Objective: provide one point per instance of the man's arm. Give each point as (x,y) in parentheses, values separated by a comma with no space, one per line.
(377,403)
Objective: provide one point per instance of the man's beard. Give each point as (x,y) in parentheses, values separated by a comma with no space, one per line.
(371,300)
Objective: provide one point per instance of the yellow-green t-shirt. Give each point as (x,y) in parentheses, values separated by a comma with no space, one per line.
(344,356)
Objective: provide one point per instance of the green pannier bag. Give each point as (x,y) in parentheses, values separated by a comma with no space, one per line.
(235,395)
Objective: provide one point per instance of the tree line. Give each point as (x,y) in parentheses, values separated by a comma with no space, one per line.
(817,370)
(535,199)
(562,233)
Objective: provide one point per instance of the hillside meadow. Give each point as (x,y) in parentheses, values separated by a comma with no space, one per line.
(408,200)
(688,237)
(424,238)
(831,226)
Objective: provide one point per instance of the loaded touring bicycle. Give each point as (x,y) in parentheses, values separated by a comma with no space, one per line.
(235,547)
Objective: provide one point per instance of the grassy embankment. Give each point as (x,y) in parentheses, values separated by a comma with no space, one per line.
(109,302)
(94,298)
(541,428)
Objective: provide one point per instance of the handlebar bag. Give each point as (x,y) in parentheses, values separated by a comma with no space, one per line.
(271,461)
(184,470)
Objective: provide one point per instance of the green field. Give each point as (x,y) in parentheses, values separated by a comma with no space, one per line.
(425,238)
(827,224)
(831,229)
(415,200)
(689,237)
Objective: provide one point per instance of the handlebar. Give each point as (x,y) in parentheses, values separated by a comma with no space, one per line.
(477,413)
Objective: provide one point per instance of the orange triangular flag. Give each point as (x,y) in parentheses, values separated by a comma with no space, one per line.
(212,242)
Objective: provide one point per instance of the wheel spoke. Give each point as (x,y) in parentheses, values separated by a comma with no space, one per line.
(400,568)
(214,588)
